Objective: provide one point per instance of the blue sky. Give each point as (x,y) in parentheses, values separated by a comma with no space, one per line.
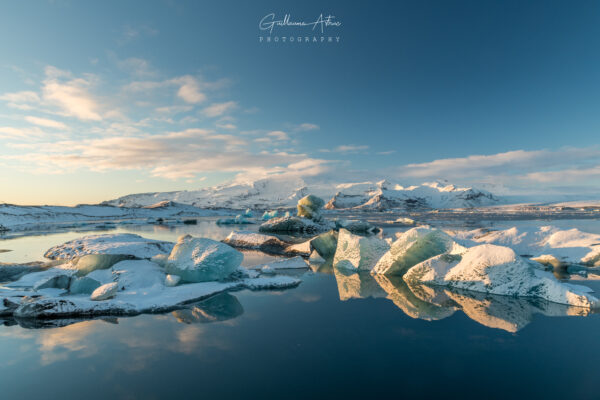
(101,99)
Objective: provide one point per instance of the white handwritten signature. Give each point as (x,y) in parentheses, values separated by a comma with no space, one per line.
(268,22)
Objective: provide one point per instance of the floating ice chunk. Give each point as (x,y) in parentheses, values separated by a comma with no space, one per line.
(288,263)
(105,292)
(118,243)
(172,280)
(238,220)
(295,224)
(355,252)
(133,302)
(247,213)
(310,207)
(253,240)
(325,244)
(356,226)
(83,285)
(269,215)
(138,274)
(499,270)
(414,246)
(201,259)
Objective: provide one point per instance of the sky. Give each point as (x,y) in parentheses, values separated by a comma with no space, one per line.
(100,99)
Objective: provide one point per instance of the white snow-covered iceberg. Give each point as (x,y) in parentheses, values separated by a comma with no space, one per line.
(498,270)
(548,244)
(118,243)
(414,246)
(360,253)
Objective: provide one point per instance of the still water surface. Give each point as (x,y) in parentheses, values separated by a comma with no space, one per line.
(334,336)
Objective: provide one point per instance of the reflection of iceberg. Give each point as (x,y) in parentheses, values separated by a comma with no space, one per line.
(509,313)
(502,312)
(400,294)
(356,285)
(217,308)
(434,303)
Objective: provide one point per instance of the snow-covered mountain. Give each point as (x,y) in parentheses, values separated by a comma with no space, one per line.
(284,193)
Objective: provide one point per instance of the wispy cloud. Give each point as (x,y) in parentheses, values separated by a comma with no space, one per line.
(45,122)
(306,127)
(70,95)
(346,148)
(218,109)
(130,33)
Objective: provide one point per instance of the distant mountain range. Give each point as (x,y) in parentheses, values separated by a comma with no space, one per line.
(285,193)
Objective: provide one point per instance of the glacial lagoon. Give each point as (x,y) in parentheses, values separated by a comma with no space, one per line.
(340,334)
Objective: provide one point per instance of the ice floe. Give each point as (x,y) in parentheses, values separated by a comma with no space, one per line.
(119,243)
(498,270)
(550,244)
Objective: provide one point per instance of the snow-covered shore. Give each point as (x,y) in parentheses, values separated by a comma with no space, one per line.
(16,218)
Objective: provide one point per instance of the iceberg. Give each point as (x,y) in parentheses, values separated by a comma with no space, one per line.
(325,244)
(257,241)
(498,270)
(117,243)
(549,245)
(238,220)
(310,207)
(155,299)
(295,224)
(201,260)
(356,226)
(269,215)
(355,252)
(414,246)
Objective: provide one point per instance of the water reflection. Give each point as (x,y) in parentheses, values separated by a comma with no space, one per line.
(434,303)
(221,307)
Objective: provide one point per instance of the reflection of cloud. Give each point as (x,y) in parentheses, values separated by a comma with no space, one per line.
(57,343)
